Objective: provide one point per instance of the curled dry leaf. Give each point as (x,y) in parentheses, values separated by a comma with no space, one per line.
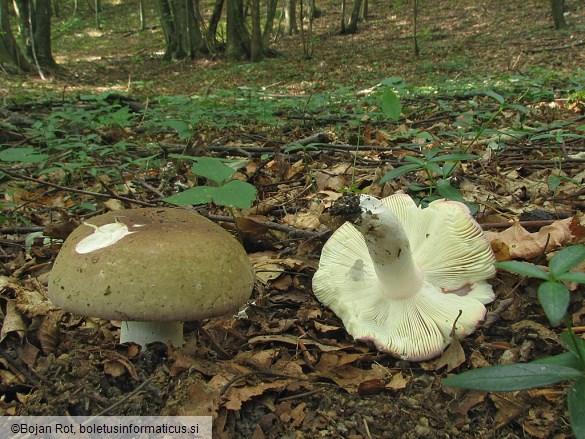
(116,365)
(452,357)
(49,331)
(518,243)
(13,321)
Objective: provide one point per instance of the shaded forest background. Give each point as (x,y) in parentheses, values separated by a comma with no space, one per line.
(462,39)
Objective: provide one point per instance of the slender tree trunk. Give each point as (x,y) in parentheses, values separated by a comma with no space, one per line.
(237,38)
(415,27)
(269,25)
(98,9)
(256,47)
(342,22)
(142,16)
(22,12)
(42,34)
(558,13)
(34,23)
(180,27)
(290,17)
(10,52)
(365,10)
(166,22)
(352,25)
(210,39)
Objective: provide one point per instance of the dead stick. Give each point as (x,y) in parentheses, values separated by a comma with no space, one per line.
(525,224)
(77,191)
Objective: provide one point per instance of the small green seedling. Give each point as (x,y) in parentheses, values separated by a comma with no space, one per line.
(554,298)
(553,295)
(232,193)
(438,175)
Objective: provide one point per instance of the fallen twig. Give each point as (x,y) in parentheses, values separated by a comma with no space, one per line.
(77,191)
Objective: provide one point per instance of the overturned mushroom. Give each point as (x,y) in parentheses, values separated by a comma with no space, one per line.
(153,269)
(404,277)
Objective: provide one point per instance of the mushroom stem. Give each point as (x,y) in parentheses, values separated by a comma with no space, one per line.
(389,249)
(143,333)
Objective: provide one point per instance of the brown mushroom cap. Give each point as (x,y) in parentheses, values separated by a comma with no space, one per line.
(173,265)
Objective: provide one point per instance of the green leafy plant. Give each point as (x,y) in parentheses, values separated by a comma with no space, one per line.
(439,166)
(225,192)
(391,106)
(554,298)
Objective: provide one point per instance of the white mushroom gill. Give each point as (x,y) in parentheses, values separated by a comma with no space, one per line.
(102,236)
(402,275)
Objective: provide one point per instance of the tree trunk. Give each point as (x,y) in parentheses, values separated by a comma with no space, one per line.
(22,12)
(352,25)
(180,27)
(237,38)
(290,17)
(210,39)
(142,16)
(256,47)
(269,25)
(558,13)
(34,22)
(415,27)
(365,10)
(342,21)
(42,34)
(10,52)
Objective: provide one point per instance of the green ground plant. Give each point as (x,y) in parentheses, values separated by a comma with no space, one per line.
(225,190)
(554,298)
(438,165)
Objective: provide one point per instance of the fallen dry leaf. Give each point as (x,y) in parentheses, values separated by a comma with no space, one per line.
(13,321)
(397,382)
(522,244)
(452,357)
(116,365)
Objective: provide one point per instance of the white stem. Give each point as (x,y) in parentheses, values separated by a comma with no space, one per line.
(389,249)
(143,333)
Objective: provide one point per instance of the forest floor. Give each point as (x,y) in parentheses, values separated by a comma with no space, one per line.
(493,78)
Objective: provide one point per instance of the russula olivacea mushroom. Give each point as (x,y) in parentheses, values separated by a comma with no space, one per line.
(404,277)
(152,269)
